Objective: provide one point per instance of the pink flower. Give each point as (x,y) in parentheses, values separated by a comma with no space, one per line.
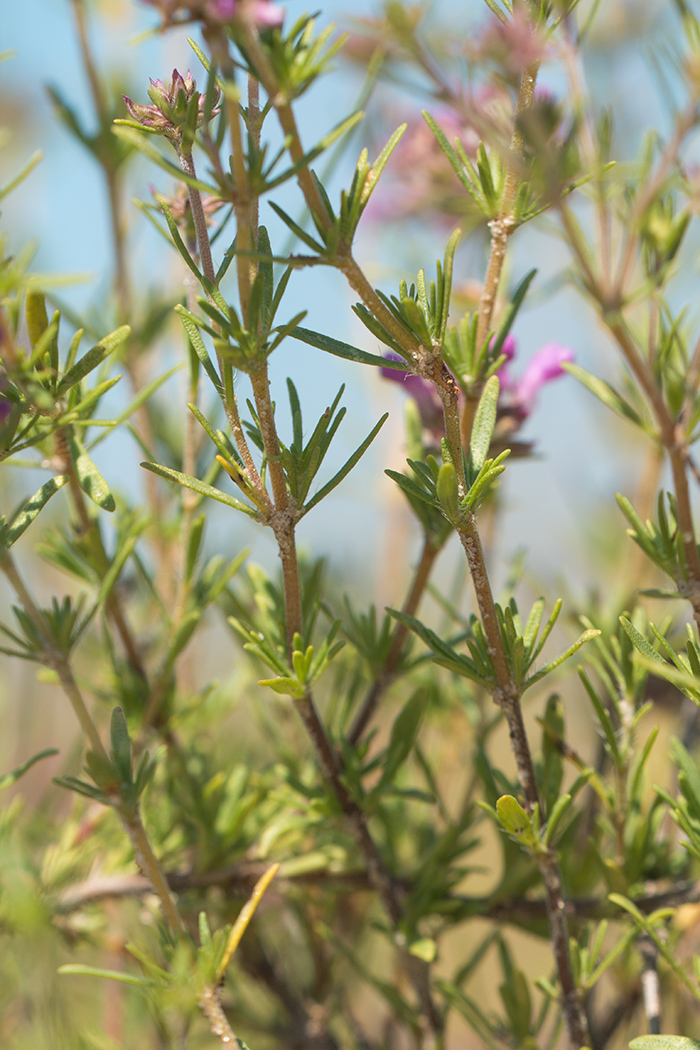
(517,398)
(261,13)
(542,368)
(510,45)
(420,178)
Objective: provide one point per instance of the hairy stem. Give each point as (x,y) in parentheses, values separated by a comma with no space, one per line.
(283,522)
(507,697)
(210,1005)
(501,229)
(199,219)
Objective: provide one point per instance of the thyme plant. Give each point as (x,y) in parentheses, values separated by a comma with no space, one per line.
(304,876)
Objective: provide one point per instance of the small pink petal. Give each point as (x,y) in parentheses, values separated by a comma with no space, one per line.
(544,366)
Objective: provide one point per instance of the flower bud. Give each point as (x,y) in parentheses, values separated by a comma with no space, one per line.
(172,107)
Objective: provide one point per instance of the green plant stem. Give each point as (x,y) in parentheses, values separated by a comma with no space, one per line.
(134,357)
(685,122)
(671,433)
(89,529)
(150,866)
(230,403)
(284,516)
(345,260)
(189,462)
(51,656)
(385,676)
(283,522)
(255,131)
(285,115)
(243,200)
(507,697)
(501,229)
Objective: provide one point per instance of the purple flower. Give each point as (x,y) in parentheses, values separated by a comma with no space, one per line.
(509,347)
(542,368)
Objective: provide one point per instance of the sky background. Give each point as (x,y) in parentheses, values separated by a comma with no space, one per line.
(556,504)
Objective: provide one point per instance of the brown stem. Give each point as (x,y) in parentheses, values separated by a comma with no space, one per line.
(150,866)
(198,218)
(283,522)
(210,1005)
(502,226)
(239,879)
(384,678)
(507,697)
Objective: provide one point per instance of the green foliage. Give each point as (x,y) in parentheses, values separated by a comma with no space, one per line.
(421,310)
(405,839)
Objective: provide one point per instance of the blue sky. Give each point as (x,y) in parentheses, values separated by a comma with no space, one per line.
(62,206)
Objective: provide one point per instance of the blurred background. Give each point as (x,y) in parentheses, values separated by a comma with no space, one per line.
(581,455)
(556,514)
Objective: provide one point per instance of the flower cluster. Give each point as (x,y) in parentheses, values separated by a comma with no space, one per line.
(168,114)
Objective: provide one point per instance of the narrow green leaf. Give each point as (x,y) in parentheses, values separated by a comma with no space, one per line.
(664,1042)
(511,313)
(587,636)
(346,468)
(89,478)
(113,975)
(484,422)
(12,532)
(639,641)
(403,735)
(92,359)
(345,350)
(603,717)
(605,393)
(9,779)
(142,396)
(22,174)
(189,323)
(198,486)
(130,134)
(303,236)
